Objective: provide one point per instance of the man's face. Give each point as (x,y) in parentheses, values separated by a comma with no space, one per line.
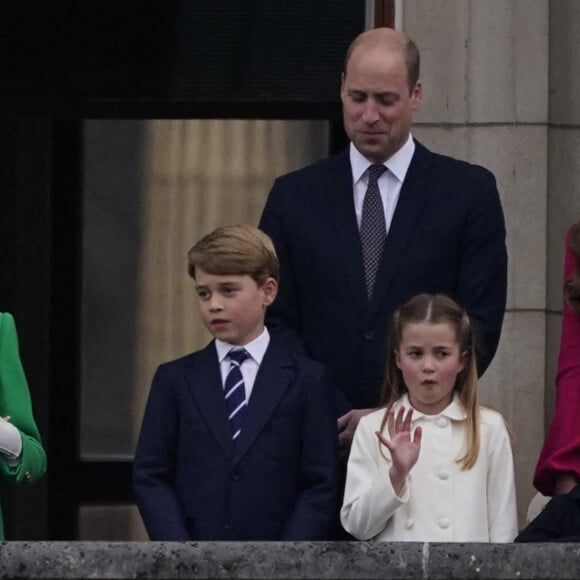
(376,104)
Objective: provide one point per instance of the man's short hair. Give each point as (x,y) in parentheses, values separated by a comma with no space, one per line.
(410,52)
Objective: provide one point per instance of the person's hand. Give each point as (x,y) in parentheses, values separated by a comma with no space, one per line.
(404,449)
(565,484)
(347,425)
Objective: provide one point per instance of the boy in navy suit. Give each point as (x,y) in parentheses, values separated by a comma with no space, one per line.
(239,439)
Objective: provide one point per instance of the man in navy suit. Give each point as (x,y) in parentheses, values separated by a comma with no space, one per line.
(239,440)
(443,230)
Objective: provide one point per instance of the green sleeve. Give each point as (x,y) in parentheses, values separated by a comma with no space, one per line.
(15,403)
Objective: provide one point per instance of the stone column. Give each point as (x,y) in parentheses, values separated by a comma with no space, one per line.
(485,82)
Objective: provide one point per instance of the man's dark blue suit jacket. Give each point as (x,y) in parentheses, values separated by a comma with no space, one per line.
(447,235)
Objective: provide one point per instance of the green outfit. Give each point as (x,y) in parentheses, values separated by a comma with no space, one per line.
(15,403)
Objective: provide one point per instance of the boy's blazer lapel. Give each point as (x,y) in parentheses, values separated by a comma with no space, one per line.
(206,386)
(275,375)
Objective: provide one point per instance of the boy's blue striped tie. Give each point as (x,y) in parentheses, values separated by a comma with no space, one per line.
(235,391)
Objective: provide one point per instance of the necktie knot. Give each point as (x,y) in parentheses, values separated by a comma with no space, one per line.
(238,356)
(375,171)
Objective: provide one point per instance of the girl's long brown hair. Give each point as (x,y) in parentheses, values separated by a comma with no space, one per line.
(437,308)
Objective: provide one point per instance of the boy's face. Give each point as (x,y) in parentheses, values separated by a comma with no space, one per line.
(233,307)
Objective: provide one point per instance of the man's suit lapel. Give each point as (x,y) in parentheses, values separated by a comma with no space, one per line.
(340,204)
(414,192)
(206,386)
(273,379)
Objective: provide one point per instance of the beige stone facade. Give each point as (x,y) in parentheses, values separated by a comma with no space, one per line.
(501,89)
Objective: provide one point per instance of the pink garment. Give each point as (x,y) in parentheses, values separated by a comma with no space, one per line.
(561,451)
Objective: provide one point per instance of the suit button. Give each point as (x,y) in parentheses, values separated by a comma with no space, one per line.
(369,335)
(235,476)
(27,476)
(227,527)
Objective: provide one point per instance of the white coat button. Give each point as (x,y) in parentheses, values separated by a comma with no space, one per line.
(442,422)
(409,523)
(443,474)
(444,523)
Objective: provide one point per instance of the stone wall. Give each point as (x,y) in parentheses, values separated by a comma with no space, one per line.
(29,561)
(500,89)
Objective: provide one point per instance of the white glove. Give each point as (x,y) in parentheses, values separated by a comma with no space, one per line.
(10,439)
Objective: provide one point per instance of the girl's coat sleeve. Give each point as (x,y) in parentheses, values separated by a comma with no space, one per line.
(369,497)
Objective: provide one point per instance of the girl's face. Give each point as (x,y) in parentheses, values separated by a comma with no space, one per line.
(429,360)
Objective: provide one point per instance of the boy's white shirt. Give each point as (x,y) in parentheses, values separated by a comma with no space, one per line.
(249,368)
(440,502)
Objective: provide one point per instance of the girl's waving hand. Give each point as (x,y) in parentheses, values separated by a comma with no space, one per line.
(404,449)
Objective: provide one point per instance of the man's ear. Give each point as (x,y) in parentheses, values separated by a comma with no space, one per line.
(416,95)
(270,290)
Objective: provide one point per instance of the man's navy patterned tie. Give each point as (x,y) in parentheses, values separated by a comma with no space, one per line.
(235,391)
(372,228)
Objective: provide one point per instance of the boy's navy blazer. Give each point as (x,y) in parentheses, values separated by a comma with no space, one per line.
(447,235)
(276,482)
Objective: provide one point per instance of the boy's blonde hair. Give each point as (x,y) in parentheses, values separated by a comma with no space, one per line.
(235,250)
(437,308)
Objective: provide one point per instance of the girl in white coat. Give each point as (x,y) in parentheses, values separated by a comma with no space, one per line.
(431,465)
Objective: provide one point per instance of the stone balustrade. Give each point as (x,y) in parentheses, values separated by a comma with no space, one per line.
(273,560)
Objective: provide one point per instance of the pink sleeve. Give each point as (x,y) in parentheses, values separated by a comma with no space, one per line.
(561,451)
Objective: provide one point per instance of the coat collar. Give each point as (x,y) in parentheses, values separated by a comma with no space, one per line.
(205,384)
(414,193)
(339,189)
(340,201)
(274,377)
(455,411)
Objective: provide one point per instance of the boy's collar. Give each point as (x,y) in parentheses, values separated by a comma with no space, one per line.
(256,348)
